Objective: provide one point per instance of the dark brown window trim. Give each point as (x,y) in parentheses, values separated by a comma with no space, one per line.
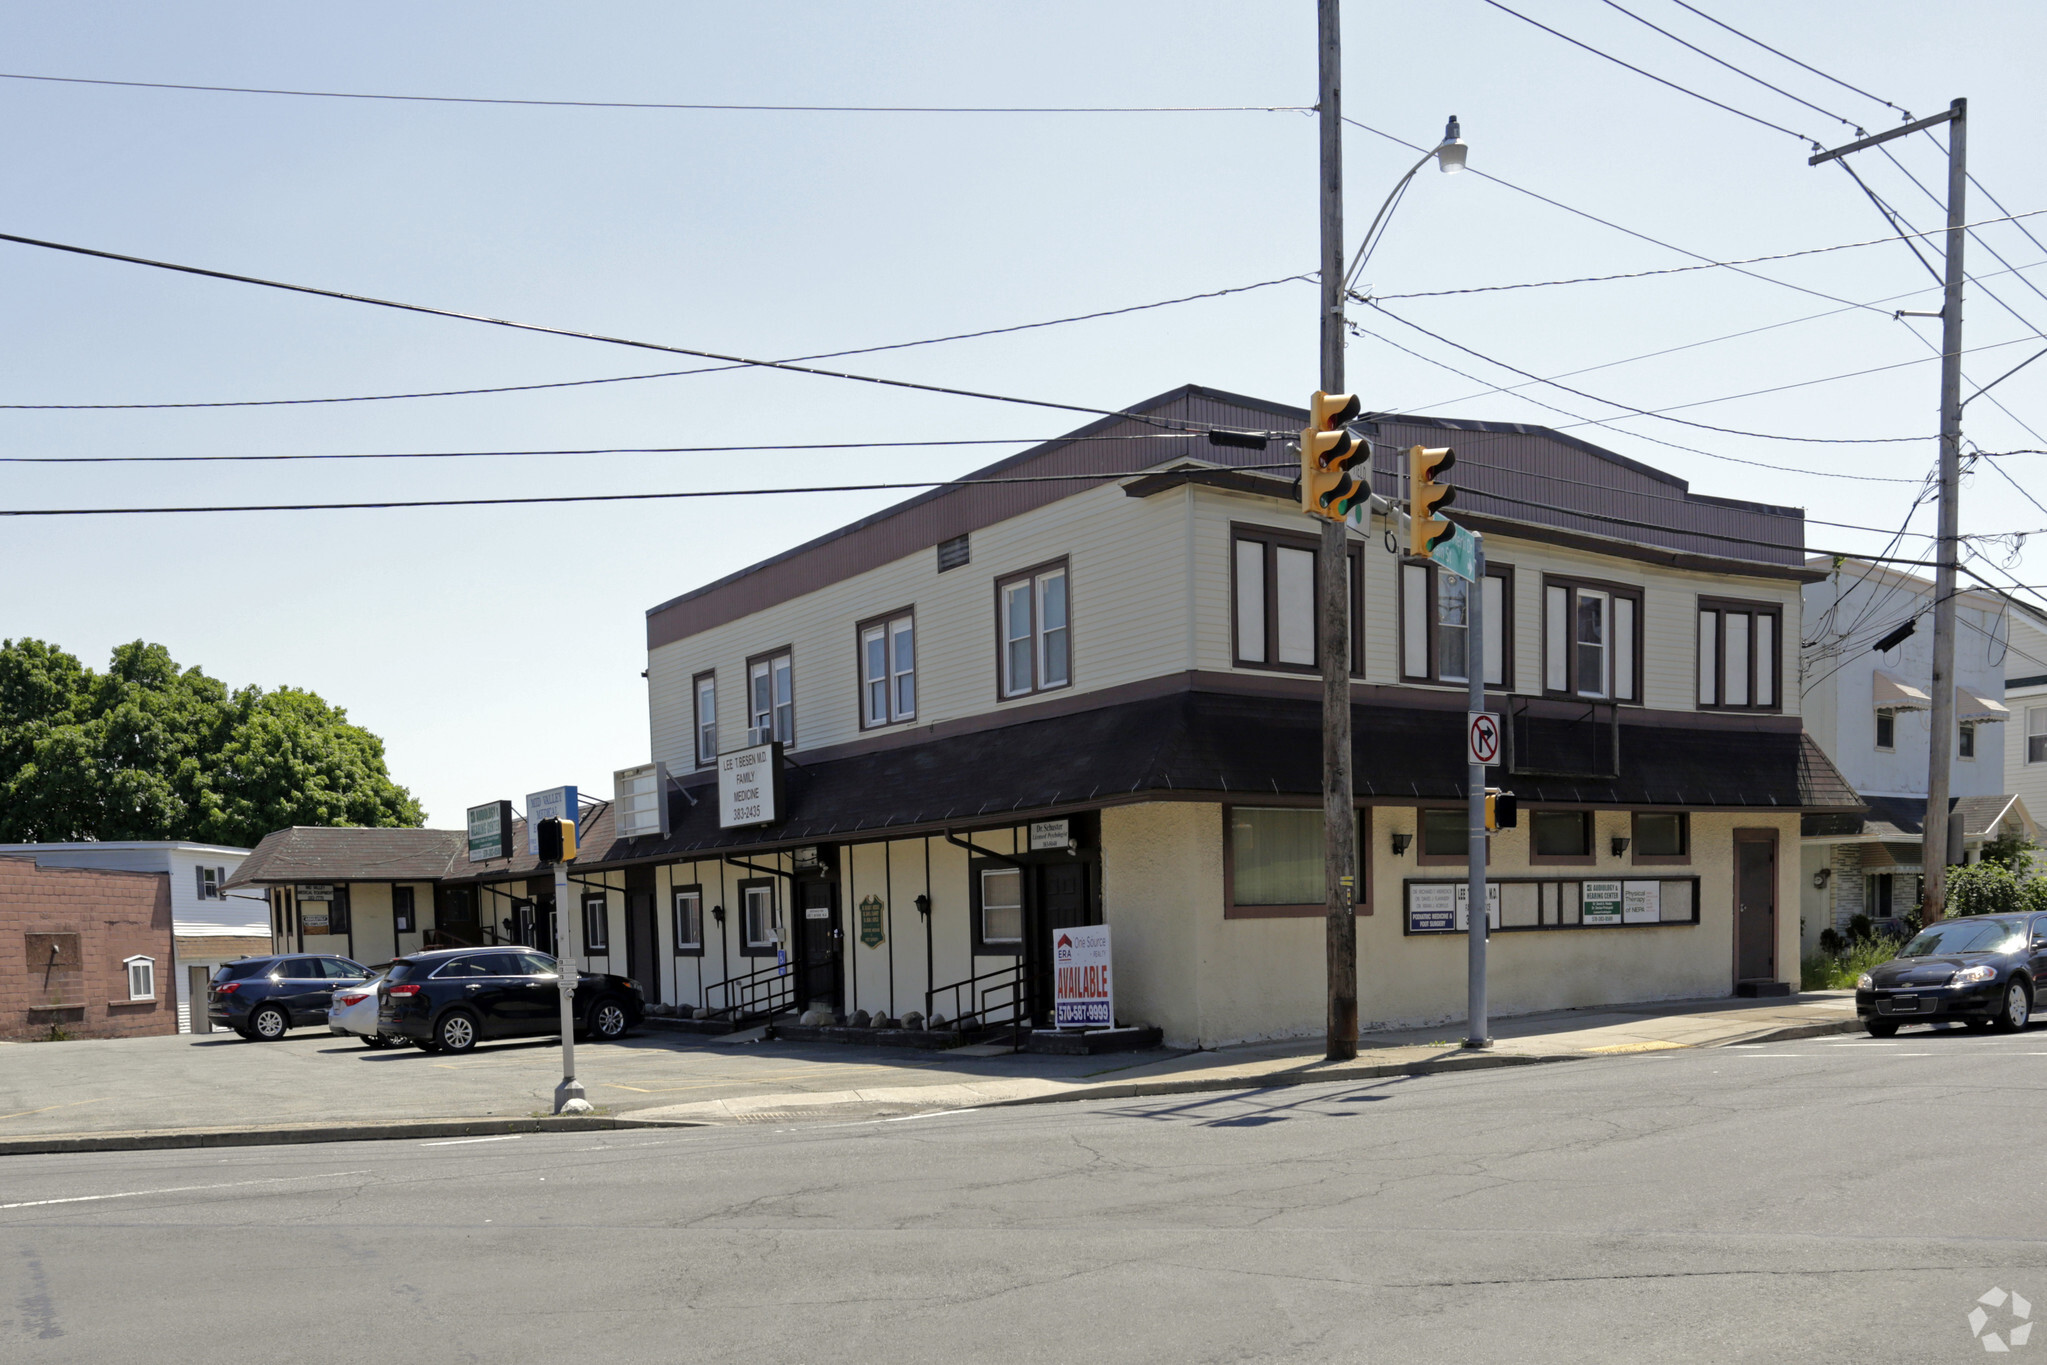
(746,699)
(1272,537)
(1720,606)
(774,899)
(599,903)
(1632,591)
(1590,858)
(1503,572)
(696,720)
(1232,910)
(1642,859)
(1422,856)
(977,866)
(1036,688)
(675,924)
(860,630)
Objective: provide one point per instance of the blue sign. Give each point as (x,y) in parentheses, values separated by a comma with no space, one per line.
(559,803)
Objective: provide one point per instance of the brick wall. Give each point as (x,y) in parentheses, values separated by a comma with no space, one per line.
(82,925)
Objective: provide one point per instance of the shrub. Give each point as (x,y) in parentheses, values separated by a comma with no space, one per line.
(1989,888)
(1824,971)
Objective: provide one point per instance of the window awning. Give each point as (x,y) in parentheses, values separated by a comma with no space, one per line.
(1978,709)
(1895,694)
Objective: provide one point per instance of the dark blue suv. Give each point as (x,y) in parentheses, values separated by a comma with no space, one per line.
(261,997)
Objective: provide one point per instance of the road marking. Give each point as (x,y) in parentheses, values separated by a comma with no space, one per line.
(1635,1047)
(176,1189)
(1781,1054)
(48,1107)
(934,1114)
(456,1142)
(1915,1054)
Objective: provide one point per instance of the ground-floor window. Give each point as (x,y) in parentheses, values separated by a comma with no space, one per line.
(1560,834)
(760,918)
(141,978)
(689,920)
(1445,834)
(401,909)
(1001,905)
(596,925)
(1890,893)
(1662,836)
(1274,861)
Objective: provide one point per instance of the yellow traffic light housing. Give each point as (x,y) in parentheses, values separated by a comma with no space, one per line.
(1427,495)
(1331,483)
(1502,809)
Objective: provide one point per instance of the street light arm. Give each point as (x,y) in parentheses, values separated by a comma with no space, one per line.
(1358,262)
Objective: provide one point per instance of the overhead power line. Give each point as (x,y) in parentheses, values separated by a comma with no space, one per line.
(1907,115)
(662,374)
(1737,70)
(663,104)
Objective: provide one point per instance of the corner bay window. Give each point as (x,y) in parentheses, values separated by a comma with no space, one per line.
(1274,600)
(1435,625)
(689,920)
(771,697)
(705,690)
(1276,863)
(1738,654)
(888,670)
(1037,649)
(1591,640)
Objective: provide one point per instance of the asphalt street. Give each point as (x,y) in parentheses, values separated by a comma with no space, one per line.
(1833,1200)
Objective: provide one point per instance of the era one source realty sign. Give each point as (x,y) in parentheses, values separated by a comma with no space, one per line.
(1083,990)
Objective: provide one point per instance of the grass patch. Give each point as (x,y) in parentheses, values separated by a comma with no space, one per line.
(1824,971)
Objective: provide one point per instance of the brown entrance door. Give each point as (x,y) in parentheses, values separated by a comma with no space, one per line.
(1059,898)
(639,943)
(1755,905)
(818,941)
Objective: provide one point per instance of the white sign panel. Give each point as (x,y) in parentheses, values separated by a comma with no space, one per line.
(1600,903)
(749,787)
(1492,906)
(1445,907)
(1083,989)
(1482,738)
(556,803)
(640,800)
(1049,834)
(1641,902)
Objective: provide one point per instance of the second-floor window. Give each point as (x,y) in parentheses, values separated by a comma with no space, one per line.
(771,697)
(706,693)
(1274,603)
(1738,653)
(2036,734)
(1435,625)
(1965,740)
(1037,637)
(888,670)
(1592,639)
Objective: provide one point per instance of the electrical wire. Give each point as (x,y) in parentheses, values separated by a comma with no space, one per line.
(1739,71)
(1793,60)
(654,104)
(663,374)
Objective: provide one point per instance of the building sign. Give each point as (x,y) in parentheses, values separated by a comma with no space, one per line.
(314,891)
(1084,994)
(490,831)
(871,910)
(556,803)
(1642,903)
(750,786)
(1602,902)
(1050,834)
(1445,907)
(639,799)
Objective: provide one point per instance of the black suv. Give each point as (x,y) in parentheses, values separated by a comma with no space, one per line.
(449,1000)
(261,997)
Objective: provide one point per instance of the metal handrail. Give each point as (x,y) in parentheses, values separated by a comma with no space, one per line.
(1002,979)
(762,993)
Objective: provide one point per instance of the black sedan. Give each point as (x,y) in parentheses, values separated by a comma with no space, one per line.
(448,1001)
(261,997)
(1980,970)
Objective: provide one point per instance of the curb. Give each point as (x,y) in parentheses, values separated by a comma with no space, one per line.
(284,1134)
(1793,1032)
(1192,1085)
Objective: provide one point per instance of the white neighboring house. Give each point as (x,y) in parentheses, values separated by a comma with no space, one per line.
(210,924)
(1868,709)
(2025,692)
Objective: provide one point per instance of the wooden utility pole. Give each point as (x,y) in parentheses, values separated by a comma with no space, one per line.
(1340,854)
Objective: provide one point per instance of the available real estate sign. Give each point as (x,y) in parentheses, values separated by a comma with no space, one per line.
(1083,988)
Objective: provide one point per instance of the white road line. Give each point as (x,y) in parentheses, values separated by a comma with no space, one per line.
(456,1142)
(934,1114)
(176,1189)
(1915,1054)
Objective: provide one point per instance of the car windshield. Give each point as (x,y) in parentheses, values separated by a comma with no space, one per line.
(1963,936)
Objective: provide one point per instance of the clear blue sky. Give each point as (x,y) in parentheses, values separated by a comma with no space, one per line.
(498,651)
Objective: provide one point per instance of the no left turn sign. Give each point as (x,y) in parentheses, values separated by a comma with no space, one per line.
(1482,738)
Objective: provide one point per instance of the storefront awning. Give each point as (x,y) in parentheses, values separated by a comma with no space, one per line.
(1893,693)
(1981,710)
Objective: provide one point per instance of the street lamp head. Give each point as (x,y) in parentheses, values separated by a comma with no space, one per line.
(1450,156)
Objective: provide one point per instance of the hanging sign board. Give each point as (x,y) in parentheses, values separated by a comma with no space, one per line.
(639,799)
(490,831)
(1601,903)
(556,803)
(750,786)
(1084,993)
(1049,834)
(314,891)
(871,911)
(1642,903)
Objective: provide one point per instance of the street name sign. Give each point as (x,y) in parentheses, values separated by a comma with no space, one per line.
(1458,554)
(1083,988)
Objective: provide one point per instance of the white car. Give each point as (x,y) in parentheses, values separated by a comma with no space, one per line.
(354,1012)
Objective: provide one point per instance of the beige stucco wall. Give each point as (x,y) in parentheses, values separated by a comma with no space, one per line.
(1208,981)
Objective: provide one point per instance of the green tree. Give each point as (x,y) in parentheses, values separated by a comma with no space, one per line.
(148,750)
(1988,888)
(2011,849)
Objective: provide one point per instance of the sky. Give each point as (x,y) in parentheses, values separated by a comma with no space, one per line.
(498,651)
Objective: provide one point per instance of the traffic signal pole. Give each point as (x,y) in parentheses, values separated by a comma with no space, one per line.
(1339,856)
(1477,921)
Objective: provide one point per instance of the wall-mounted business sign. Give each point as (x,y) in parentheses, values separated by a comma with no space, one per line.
(314,891)
(750,786)
(556,803)
(639,801)
(1601,902)
(1083,988)
(490,831)
(1050,834)
(1445,907)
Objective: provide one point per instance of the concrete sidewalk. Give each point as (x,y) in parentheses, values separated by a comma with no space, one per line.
(212,1090)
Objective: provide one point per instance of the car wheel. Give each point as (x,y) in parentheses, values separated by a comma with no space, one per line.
(608,1021)
(372,1041)
(456,1032)
(426,1045)
(247,1035)
(268,1023)
(2018,1008)
(1879,1029)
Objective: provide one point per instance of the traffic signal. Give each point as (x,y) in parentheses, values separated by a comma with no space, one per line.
(1502,809)
(1335,466)
(557,840)
(1427,495)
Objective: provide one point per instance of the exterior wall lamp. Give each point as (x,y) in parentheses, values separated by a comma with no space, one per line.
(718,913)
(924,906)
(1400,843)
(1620,844)
(1821,878)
